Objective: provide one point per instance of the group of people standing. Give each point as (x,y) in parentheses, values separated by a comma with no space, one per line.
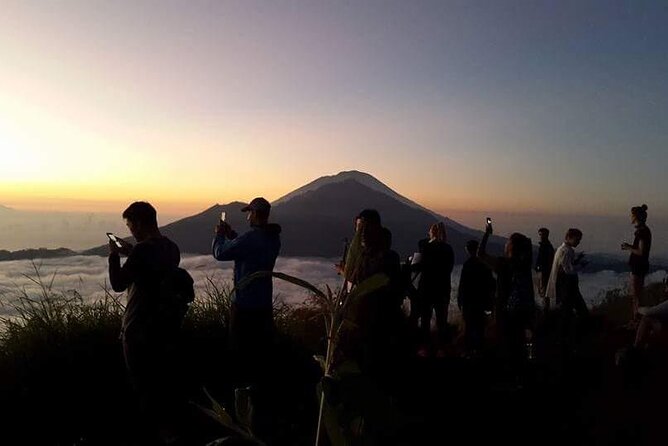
(502,286)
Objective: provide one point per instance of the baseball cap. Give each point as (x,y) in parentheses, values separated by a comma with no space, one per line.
(257,204)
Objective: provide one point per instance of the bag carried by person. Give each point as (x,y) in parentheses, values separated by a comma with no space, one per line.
(176,293)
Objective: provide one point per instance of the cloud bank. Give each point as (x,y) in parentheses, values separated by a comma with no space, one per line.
(88,276)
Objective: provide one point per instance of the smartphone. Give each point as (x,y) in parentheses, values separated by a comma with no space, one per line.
(223,215)
(114,239)
(489,221)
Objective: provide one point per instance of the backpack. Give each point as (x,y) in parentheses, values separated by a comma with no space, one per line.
(176,292)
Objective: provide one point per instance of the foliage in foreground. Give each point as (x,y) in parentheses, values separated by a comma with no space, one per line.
(62,369)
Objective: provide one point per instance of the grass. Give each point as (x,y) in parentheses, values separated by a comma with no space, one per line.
(616,305)
(62,376)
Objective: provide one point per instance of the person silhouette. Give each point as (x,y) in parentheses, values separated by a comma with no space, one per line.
(475,297)
(544,264)
(638,258)
(434,286)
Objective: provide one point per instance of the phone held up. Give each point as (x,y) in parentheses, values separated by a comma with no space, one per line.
(223,215)
(114,239)
(489,221)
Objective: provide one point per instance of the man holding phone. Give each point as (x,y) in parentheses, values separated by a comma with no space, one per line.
(251,315)
(148,341)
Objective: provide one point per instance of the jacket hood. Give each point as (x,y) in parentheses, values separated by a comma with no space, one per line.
(271,228)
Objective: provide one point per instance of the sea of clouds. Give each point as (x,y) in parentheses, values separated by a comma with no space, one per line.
(88,276)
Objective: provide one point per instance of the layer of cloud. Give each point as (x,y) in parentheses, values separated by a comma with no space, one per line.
(88,276)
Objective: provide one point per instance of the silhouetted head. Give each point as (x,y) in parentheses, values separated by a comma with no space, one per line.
(639,215)
(386,239)
(472,247)
(437,232)
(370,216)
(258,211)
(573,237)
(519,250)
(544,234)
(141,219)
(373,236)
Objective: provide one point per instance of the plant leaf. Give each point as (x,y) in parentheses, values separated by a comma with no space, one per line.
(291,279)
(221,414)
(369,285)
(321,361)
(243,406)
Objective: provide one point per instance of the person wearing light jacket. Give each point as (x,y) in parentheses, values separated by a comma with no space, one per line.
(564,286)
(251,325)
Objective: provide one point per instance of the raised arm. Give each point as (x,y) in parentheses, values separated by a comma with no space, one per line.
(224,248)
(489,260)
(121,277)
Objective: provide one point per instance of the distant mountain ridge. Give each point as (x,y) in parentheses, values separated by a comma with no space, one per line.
(40,253)
(317,217)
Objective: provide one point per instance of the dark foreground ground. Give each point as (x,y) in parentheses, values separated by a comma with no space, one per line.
(70,389)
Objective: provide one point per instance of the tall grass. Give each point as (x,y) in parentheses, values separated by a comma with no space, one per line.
(62,369)
(616,305)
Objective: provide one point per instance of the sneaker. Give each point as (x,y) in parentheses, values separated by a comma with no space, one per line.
(423,352)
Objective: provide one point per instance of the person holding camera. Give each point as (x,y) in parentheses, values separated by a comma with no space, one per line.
(515,300)
(475,297)
(151,321)
(251,323)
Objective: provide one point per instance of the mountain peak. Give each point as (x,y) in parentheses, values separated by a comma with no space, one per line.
(372,183)
(363,178)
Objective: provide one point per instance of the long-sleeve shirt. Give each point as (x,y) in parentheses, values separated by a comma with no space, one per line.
(253,251)
(140,275)
(545,256)
(564,262)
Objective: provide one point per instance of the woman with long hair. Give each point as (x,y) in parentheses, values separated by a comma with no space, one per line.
(434,286)
(639,257)
(515,300)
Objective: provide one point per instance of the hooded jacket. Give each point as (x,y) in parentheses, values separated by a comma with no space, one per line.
(253,251)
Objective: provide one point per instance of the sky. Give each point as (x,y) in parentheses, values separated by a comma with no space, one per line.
(507,106)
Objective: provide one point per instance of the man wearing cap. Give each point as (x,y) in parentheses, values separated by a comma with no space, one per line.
(251,316)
